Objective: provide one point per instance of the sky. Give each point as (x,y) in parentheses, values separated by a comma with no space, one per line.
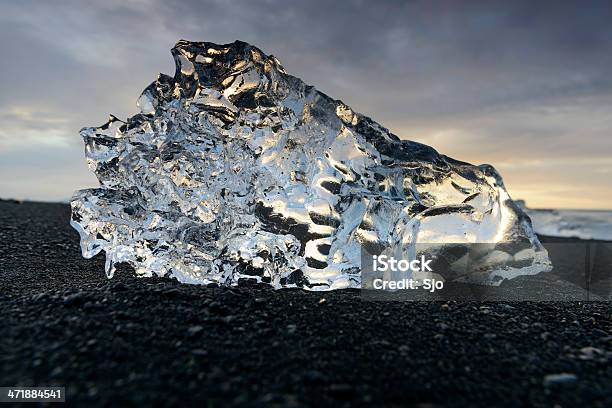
(524,86)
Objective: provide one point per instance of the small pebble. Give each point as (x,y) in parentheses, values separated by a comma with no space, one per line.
(194,330)
(590,353)
(560,379)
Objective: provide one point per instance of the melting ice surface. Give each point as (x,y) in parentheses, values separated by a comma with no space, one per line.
(235,169)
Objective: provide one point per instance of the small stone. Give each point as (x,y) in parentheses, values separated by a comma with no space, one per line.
(485,310)
(39,297)
(119,287)
(57,371)
(341,390)
(560,379)
(76,299)
(590,353)
(313,376)
(195,330)
(404,349)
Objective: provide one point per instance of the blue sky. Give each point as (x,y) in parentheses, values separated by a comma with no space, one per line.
(524,87)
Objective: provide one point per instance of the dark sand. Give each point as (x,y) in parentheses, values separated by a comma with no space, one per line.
(135,342)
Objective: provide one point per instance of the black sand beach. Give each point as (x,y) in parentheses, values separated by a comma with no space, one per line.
(155,342)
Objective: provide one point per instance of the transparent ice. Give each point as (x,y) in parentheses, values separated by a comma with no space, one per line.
(235,169)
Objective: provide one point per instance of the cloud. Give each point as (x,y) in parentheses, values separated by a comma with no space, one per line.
(24,126)
(499,82)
